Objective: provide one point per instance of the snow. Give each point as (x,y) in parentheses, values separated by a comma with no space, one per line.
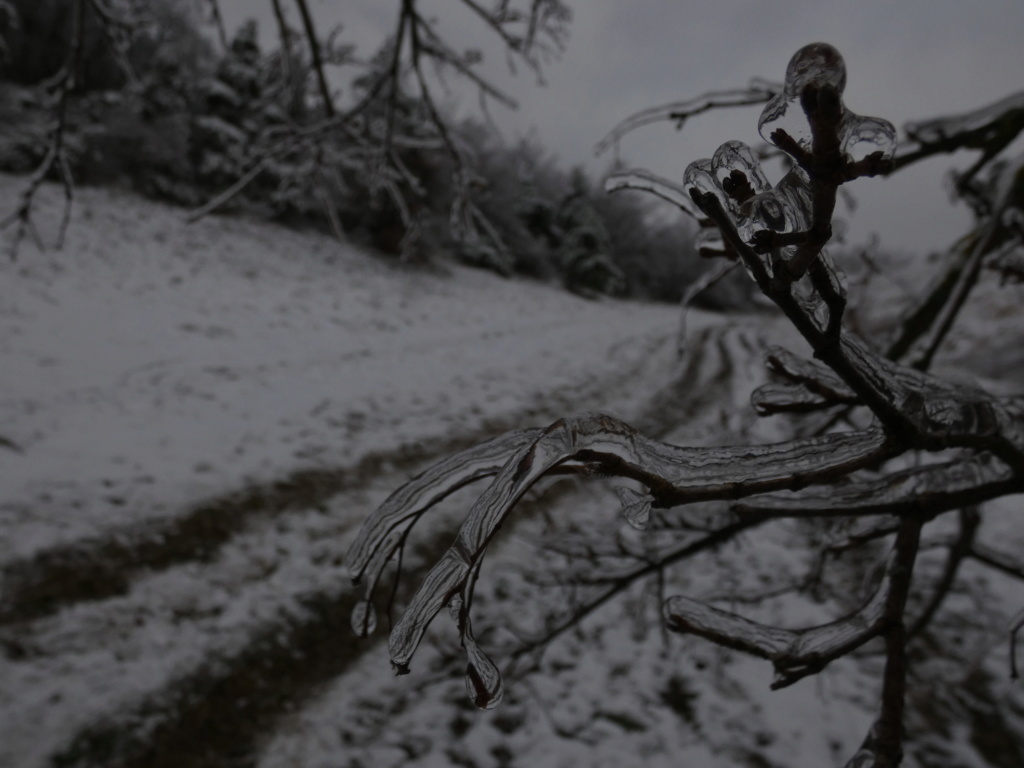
(152,369)
(149,364)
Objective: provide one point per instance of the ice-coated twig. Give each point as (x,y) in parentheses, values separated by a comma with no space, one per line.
(675,475)
(403,507)
(775,398)
(989,129)
(794,653)
(931,489)
(811,375)
(645,181)
(758,91)
(545,16)
(699,285)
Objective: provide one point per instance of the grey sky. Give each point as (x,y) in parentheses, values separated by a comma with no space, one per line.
(906,59)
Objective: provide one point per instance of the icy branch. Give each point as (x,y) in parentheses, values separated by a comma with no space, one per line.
(757,92)
(931,489)
(596,442)
(794,653)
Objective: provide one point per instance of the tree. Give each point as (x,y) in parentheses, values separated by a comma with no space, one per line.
(319,134)
(884,453)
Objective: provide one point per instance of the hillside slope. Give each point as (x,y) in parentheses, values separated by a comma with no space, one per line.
(194,420)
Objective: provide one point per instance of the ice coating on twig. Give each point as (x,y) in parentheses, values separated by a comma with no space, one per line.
(738,173)
(383,534)
(775,397)
(812,69)
(981,125)
(364,619)
(442,479)
(699,178)
(483,680)
(818,65)
(865,136)
(678,473)
(794,653)
(946,486)
(649,182)
(785,208)
(809,372)
(757,91)
(734,176)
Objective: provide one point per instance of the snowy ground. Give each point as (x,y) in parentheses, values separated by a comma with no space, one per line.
(149,364)
(195,418)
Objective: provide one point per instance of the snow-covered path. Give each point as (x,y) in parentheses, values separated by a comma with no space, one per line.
(195,418)
(150,364)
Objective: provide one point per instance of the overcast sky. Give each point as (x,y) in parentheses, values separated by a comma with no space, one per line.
(906,60)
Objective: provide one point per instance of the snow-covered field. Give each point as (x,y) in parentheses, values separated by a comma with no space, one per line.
(195,418)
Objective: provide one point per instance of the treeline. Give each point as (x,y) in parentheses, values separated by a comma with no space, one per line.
(163,105)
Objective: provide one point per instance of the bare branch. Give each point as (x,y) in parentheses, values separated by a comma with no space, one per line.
(317,63)
(970,520)
(888,746)
(218,23)
(64,83)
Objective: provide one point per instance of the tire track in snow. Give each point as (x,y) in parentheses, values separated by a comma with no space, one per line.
(218,714)
(106,567)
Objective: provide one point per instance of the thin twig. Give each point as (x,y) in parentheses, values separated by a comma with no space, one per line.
(317,63)
(218,23)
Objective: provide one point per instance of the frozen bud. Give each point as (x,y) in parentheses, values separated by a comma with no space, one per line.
(786,208)
(818,65)
(738,173)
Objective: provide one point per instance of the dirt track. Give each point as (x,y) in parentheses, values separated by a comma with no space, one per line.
(218,709)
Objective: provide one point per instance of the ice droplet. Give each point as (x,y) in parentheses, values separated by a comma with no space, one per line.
(364,619)
(817,64)
(636,506)
(864,136)
(455,609)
